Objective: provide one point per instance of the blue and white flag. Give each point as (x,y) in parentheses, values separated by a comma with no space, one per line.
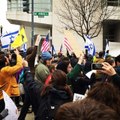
(7,39)
(106,49)
(24,47)
(53,49)
(89,45)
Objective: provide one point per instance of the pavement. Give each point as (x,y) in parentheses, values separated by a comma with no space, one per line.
(30,116)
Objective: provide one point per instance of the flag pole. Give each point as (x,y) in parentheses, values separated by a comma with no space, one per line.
(1,30)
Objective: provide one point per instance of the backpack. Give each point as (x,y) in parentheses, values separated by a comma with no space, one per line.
(48,107)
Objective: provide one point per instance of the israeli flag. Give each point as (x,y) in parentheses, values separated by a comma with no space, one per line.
(7,39)
(89,45)
(24,47)
(106,49)
(53,49)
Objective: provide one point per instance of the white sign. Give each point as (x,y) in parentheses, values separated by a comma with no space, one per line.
(77,97)
(114,48)
(90,73)
(10,105)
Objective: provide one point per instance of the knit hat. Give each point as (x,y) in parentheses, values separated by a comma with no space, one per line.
(41,72)
(46,56)
(63,66)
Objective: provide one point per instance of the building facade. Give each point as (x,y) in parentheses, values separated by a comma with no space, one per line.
(45,20)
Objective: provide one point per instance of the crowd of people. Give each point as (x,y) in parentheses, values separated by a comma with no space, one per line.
(49,85)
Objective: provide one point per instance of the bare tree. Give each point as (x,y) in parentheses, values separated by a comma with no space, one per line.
(84,16)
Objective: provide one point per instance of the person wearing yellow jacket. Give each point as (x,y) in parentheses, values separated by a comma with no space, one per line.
(8,81)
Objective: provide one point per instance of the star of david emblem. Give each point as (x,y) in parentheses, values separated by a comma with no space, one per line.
(11,39)
(91,46)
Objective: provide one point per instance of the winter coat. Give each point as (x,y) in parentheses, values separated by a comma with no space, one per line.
(8,81)
(116,80)
(35,88)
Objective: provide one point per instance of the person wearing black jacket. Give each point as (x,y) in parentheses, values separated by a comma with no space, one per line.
(30,57)
(109,70)
(58,90)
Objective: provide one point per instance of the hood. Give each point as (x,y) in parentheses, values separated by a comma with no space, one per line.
(62,94)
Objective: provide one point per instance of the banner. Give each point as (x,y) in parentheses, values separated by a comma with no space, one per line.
(10,105)
(7,39)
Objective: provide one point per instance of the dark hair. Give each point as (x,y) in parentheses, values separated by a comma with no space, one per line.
(13,60)
(117,59)
(86,109)
(29,50)
(101,54)
(107,94)
(58,81)
(63,65)
(2,61)
(110,60)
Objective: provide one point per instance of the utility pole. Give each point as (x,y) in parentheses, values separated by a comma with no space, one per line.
(32,23)
(1,30)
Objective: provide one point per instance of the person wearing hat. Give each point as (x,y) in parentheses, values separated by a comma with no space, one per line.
(42,70)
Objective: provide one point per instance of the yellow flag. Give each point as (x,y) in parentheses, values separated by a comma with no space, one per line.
(20,39)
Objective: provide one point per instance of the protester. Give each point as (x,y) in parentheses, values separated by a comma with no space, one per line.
(86,109)
(30,57)
(8,81)
(31,54)
(42,69)
(110,71)
(78,81)
(106,93)
(58,91)
(117,60)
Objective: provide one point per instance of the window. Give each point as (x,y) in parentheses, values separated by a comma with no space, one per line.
(43,5)
(113,2)
(111,30)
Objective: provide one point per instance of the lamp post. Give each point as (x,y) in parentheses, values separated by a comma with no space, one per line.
(1,30)
(32,23)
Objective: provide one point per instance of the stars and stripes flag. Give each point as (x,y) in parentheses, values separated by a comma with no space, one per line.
(46,44)
(67,45)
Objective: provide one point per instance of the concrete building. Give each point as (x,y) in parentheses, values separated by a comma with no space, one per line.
(45,20)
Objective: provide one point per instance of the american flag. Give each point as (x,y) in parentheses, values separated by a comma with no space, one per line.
(45,45)
(67,45)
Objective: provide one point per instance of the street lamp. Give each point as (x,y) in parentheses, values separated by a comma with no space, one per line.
(1,30)
(32,22)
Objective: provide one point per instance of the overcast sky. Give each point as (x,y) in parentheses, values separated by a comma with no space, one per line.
(7,27)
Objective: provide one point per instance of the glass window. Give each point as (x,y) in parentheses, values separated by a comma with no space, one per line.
(113,2)
(43,5)
(39,5)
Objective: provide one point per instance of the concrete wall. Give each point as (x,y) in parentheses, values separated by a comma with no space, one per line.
(43,25)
